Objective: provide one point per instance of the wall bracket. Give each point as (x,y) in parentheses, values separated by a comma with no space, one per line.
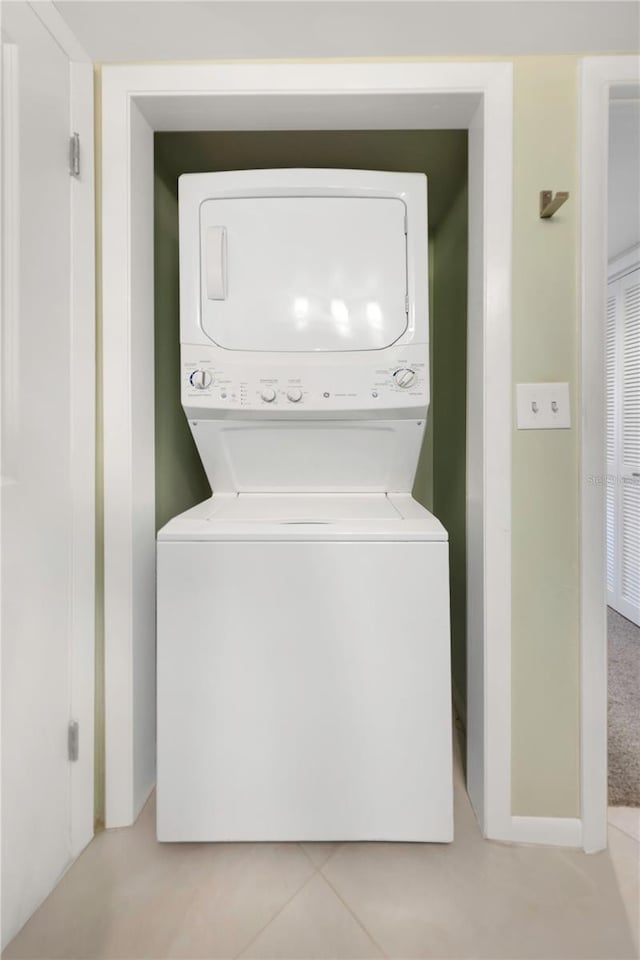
(549,204)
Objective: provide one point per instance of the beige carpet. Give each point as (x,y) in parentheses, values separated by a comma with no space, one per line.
(624,711)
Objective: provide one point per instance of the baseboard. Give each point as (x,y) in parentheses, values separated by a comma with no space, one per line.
(547,831)
(459,704)
(550,831)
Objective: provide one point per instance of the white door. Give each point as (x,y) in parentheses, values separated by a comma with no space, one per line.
(623,445)
(327,273)
(47,469)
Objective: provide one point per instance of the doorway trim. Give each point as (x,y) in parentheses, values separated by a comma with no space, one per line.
(83,424)
(30,30)
(83,456)
(600,79)
(140,99)
(82,381)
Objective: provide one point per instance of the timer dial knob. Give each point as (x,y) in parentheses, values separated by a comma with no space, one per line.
(268,394)
(294,395)
(200,379)
(404,377)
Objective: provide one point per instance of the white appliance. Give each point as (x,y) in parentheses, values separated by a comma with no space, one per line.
(303,610)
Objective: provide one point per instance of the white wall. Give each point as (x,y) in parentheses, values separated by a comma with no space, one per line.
(624,176)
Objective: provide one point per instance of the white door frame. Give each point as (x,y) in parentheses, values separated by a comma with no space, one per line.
(136,101)
(79,829)
(83,456)
(600,79)
(82,410)
(83,424)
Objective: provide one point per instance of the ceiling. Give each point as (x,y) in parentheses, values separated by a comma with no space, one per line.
(441,154)
(146,30)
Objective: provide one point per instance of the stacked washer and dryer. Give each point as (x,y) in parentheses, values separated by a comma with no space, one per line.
(303,610)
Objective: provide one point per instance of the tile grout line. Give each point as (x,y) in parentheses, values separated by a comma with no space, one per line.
(278,912)
(354,915)
(630,836)
(318,869)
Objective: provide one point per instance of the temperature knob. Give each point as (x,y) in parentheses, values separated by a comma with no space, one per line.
(200,379)
(268,394)
(294,395)
(404,377)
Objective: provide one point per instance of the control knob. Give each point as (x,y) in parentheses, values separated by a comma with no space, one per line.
(404,377)
(200,379)
(268,394)
(294,395)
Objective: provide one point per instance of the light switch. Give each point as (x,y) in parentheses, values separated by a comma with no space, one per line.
(542,406)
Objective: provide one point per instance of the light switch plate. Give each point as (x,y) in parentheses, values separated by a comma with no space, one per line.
(542,406)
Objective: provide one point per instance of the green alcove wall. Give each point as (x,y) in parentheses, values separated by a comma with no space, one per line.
(442,155)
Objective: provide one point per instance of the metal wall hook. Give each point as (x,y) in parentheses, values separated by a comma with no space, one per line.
(549,204)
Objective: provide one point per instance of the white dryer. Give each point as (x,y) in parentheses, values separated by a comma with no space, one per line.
(303,610)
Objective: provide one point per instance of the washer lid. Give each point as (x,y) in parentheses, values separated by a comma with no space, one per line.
(303,274)
(284,516)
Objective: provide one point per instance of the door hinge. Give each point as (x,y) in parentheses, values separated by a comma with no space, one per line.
(73,740)
(74,155)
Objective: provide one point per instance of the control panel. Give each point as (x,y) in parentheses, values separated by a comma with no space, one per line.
(210,382)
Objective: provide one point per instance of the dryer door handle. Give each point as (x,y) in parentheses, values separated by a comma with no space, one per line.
(216,263)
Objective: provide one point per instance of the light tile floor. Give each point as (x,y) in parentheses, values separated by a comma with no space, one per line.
(626,819)
(129,897)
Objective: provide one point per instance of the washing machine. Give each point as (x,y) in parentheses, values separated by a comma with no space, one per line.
(303,649)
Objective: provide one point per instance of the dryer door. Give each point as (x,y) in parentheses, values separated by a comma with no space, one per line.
(303,274)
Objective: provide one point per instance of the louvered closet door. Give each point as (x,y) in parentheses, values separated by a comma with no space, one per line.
(623,445)
(629,527)
(611,351)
